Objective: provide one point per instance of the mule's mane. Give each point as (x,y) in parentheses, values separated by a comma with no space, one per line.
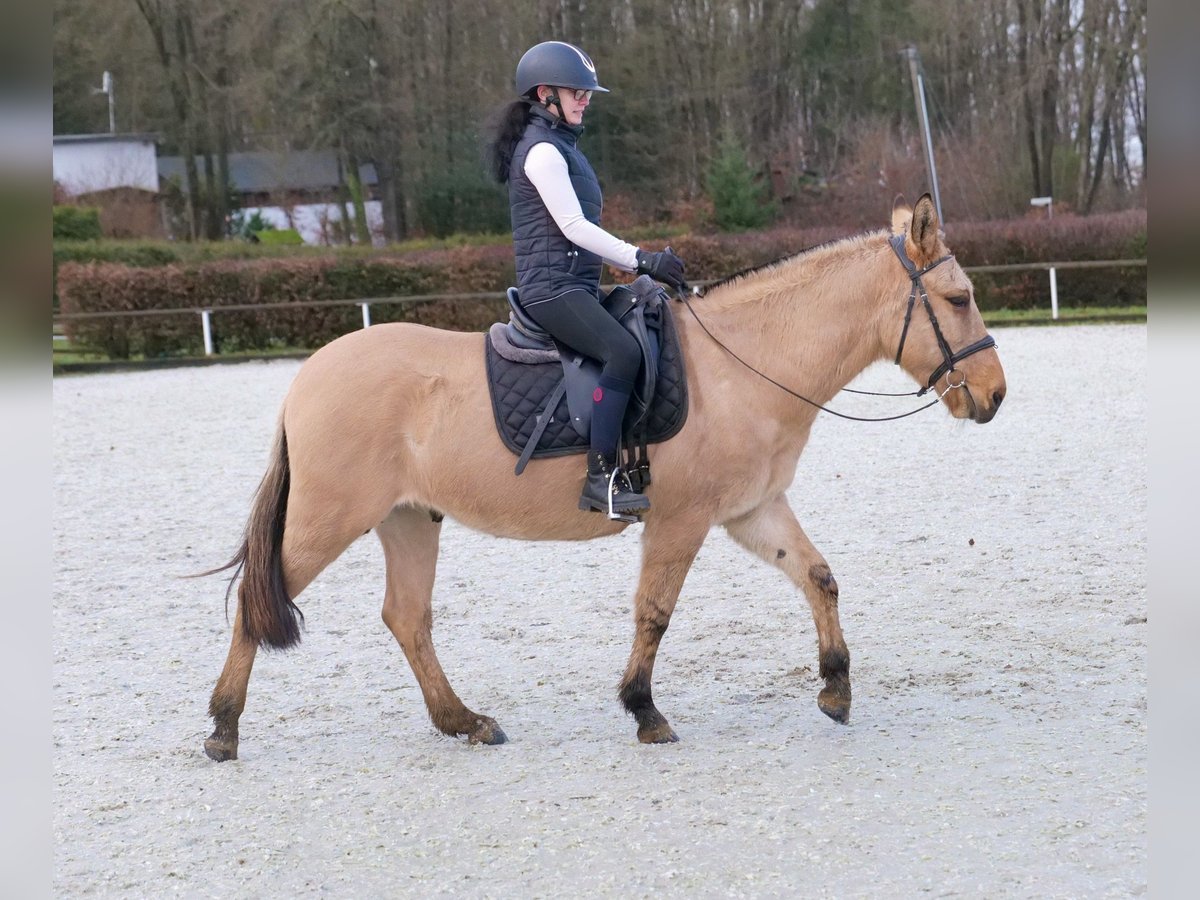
(855,240)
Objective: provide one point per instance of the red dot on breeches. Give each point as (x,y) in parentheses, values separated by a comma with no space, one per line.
(598,395)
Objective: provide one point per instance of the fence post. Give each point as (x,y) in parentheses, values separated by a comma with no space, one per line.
(206,322)
(1053,294)
(366,308)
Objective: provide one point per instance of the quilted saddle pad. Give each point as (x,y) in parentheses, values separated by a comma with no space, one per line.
(520,391)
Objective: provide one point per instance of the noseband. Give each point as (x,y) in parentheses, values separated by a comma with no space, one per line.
(949,358)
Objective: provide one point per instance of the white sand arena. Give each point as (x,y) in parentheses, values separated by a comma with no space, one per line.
(993,596)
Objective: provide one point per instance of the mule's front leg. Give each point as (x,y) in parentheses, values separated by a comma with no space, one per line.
(772,533)
(668,549)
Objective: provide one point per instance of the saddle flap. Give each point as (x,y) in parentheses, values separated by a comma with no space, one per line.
(582,374)
(637,307)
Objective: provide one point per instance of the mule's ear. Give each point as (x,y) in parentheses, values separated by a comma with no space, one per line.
(901,215)
(925,225)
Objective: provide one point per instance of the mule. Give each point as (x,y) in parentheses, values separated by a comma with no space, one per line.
(389,429)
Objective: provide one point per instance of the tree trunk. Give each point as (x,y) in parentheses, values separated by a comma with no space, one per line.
(391,198)
(183,101)
(1024,39)
(362,230)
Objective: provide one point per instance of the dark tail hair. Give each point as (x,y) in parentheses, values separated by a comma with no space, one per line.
(269,617)
(506,127)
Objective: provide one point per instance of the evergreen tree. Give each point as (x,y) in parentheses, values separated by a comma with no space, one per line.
(740,199)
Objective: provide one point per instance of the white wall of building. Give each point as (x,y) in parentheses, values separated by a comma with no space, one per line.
(83,166)
(313,220)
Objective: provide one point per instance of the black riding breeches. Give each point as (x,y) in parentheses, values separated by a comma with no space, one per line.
(578,320)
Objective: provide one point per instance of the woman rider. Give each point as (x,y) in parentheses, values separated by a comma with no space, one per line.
(555,202)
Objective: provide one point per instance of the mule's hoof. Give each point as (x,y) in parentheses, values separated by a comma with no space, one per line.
(658,734)
(486,731)
(220,749)
(835,705)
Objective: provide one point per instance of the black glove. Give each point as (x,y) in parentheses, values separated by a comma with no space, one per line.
(663,266)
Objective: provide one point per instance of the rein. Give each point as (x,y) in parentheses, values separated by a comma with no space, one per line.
(949,358)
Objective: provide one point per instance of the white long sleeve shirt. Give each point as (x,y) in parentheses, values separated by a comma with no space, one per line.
(546,169)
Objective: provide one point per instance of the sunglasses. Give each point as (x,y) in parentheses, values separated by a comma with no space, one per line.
(579,95)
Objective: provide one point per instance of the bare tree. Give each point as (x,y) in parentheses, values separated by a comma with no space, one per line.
(1047,96)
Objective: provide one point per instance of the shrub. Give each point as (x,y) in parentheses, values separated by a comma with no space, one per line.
(104,287)
(77,223)
(740,199)
(280,237)
(1069,237)
(105,276)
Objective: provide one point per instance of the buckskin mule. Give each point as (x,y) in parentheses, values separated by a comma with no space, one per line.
(389,429)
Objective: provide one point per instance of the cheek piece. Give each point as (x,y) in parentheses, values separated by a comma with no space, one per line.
(949,358)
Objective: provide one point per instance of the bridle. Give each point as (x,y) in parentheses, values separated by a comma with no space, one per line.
(949,358)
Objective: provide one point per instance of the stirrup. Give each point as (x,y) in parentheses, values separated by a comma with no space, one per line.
(612,488)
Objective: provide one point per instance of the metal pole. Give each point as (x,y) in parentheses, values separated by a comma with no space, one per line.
(366,308)
(112,108)
(918,83)
(207,325)
(1053,274)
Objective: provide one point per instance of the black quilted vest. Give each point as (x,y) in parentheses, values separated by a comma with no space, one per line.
(547,263)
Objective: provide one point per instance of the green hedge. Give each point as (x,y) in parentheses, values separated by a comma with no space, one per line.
(146,276)
(76,223)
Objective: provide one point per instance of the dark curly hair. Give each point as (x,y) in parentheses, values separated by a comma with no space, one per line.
(506,128)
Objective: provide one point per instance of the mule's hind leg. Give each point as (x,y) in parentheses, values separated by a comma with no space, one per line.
(410,546)
(315,536)
(229,696)
(668,548)
(773,533)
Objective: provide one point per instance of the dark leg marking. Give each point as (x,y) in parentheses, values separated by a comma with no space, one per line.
(636,696)
(222,743)
(780,553)
(823,577)
(834,698)
(834,662)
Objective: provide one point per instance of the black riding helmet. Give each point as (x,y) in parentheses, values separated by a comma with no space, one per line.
(556,64)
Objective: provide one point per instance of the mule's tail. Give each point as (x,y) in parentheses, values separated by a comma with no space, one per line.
(269,617)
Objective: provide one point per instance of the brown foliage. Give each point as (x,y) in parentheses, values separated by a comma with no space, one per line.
(126,212)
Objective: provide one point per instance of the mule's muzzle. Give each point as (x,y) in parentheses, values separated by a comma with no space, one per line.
(984,413)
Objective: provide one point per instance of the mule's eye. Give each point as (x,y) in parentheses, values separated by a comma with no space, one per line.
(960,301)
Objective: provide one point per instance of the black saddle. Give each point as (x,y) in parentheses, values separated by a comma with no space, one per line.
(542,390)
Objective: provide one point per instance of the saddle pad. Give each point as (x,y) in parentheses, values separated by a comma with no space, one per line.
(520,390)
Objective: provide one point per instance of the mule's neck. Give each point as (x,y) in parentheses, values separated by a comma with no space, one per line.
(814,321)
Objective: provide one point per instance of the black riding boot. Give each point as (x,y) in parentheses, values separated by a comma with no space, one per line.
(607,490)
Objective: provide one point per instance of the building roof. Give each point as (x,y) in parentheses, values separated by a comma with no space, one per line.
(132,138)
(261,172)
